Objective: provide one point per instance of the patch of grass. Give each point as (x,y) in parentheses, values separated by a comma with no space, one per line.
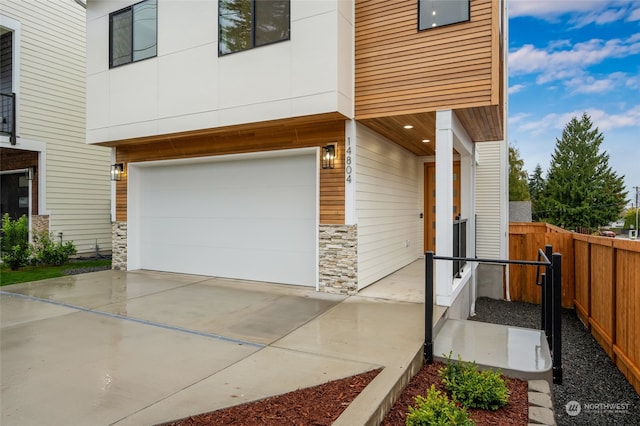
(37,273)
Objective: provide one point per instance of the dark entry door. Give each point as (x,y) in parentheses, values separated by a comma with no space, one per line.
(14,194)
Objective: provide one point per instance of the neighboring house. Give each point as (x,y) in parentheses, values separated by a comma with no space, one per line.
(47,171)
(295,141)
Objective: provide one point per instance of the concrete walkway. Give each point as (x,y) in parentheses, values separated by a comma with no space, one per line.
(141,348)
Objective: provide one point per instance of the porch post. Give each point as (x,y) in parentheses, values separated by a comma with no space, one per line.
(444,203)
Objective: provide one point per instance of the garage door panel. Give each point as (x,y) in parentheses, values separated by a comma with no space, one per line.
(249,219)
(269,265)
(229,232)
(225,202)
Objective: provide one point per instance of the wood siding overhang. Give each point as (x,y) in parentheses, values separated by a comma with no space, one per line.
(300,132)
(404,75)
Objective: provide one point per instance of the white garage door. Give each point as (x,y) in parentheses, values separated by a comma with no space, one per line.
(244,217)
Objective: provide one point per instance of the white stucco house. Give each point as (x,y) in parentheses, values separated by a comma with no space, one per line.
(47,170)
(318,143)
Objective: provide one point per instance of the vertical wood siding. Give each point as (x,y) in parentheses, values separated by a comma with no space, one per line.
(401,70)
(51,109)
(388,204)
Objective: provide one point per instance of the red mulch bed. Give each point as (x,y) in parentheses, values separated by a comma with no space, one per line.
(318,406)
(321,405)
(515,413)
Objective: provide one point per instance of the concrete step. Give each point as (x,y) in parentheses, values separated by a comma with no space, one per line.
(518,352)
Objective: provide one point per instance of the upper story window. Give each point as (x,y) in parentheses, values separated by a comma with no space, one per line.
(133,33)
(436,13)
(7,85)
(245,24)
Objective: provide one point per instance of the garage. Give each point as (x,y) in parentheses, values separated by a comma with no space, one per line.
(252,216)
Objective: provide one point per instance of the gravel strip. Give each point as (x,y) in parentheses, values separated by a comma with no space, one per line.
(85,270)
(589,377)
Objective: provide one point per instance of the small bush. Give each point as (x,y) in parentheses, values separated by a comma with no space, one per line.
(436,409)
(48,252)
(14,243)
(473,388)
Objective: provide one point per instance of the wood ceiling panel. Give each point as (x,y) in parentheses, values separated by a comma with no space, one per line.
(482,124)
(424,125)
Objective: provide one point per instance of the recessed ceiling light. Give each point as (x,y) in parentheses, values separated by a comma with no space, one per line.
(426,140)
(408,126)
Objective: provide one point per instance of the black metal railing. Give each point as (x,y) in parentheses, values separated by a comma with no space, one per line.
(551,282)
(459,245)
(8,116)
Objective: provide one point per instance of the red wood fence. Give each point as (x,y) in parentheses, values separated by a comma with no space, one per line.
(600,279)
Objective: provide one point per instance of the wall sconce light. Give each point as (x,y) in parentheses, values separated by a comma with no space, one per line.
(29,172)
(116,171)
(328,156)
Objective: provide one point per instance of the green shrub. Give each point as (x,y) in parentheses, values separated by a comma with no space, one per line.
(48,252)
(437,410)
(473,388)
(14,243)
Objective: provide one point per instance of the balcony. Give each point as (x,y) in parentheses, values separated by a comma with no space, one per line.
(8,116)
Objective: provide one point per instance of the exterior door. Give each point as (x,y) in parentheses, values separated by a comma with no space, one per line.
(14,194)
(430,202)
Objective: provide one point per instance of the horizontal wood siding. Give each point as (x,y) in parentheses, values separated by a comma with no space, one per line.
(286,134)
(401,70)
(51,109)
(388,203)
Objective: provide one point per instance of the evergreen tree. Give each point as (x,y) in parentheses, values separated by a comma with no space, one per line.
(536,188)
(518,190)
(581,189)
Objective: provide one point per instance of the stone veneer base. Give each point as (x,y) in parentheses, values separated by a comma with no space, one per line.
(338,264)
(338,253)
(119,246)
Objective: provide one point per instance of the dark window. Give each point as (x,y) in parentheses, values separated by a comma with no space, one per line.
(245,24)
(133,33)
(7,98)
(436,13)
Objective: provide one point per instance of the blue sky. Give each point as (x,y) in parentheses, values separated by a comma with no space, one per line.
(567,57)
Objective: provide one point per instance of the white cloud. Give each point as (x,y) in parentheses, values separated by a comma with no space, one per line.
(516,88)
(599,17)
(550,9)
(557,61)
(516,118)
(557,121)
(634,15)
(633,82)
(629,118)
(582,12)
(590,85)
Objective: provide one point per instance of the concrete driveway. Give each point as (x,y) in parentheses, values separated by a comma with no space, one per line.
(141,348)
